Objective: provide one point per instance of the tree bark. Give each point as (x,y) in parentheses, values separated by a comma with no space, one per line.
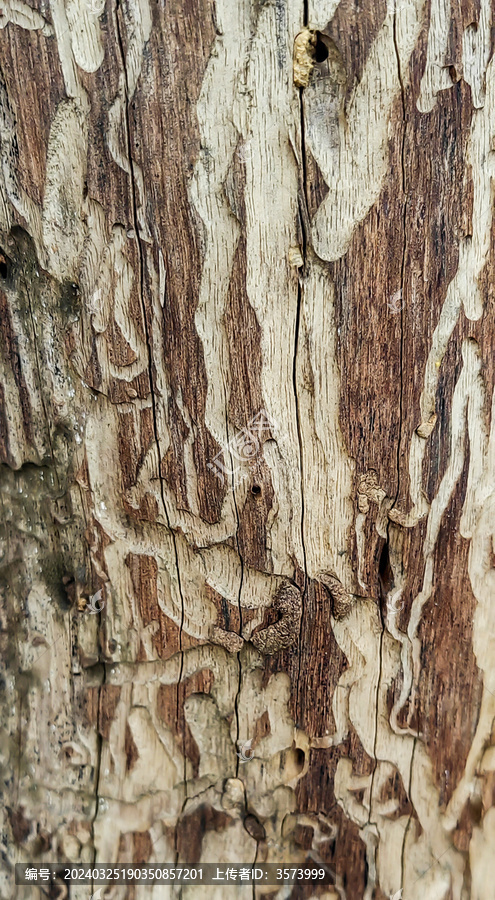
(247,437)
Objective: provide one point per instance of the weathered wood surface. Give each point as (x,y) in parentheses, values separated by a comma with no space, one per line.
(214,213)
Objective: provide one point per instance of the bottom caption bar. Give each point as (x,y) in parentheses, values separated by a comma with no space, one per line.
(207,873)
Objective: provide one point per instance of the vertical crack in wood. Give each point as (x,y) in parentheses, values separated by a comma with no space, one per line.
(152,392)
(239,605)
(99,753)
(304,224)
(401,388)
(404,247)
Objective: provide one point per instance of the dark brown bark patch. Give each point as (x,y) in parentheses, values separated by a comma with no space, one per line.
(172,698)
(192,828)
(109,698)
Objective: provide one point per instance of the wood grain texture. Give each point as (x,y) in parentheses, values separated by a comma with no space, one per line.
(247,440)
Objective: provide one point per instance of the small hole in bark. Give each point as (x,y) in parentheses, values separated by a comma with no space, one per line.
(294,762)
(255,828)
(256,489)
(299,758)
(321,51)
(385,573)
(476,810)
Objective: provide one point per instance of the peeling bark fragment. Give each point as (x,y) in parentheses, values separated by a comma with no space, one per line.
(342,600)
(425,429)
(304,57)
(284,633)
(228,639)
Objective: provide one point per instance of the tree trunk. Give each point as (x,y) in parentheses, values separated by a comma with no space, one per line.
(248,441)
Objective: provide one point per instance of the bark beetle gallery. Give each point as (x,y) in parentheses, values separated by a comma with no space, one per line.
(247,438)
